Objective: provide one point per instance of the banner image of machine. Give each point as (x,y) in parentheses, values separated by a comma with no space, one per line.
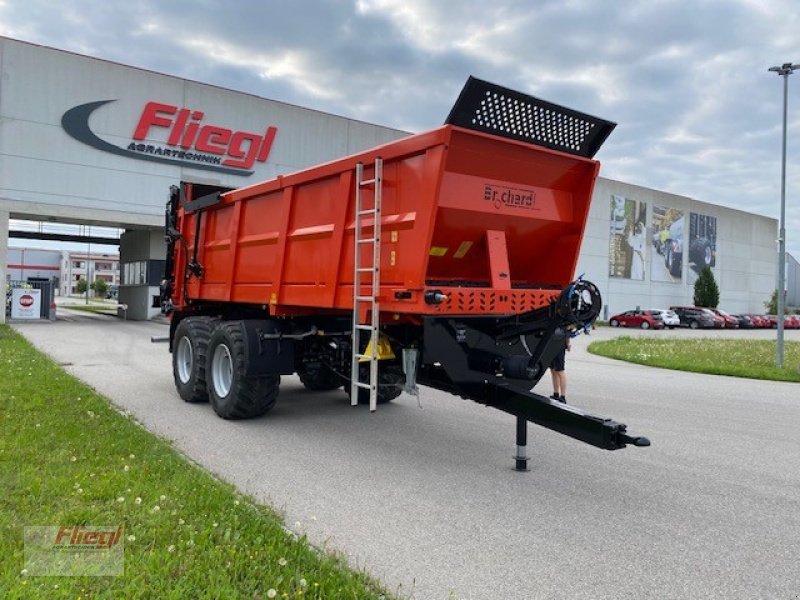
(627,239)
(702,245)
(667,240)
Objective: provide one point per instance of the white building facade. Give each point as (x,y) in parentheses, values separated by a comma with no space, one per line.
(97,143)
(76,266)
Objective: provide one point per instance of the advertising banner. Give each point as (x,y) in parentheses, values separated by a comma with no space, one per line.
(627,239)
(702,244)
(668,241)
(26,303)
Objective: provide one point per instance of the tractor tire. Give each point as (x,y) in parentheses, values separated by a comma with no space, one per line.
(674,263)
(319,378)
(189,353)
(234,395)
(701,253)
(390,385)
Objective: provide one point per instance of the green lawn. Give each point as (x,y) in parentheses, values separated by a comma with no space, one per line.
(67,457)
(735,357)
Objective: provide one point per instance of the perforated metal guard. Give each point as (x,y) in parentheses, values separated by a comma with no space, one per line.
(490,108)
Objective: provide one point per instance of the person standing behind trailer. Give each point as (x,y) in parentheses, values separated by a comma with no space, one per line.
(559,374)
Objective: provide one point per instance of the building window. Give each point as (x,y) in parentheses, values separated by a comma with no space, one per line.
(135,273)
(102,266)
(78,264)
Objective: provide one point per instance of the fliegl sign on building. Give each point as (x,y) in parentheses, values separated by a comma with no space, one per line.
(190,142)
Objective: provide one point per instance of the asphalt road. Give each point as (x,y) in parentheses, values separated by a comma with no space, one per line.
(426,499)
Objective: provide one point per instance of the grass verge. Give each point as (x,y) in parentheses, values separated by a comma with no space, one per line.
(754,359)
(68,457)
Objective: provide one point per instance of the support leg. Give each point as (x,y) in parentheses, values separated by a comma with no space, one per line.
(521,459)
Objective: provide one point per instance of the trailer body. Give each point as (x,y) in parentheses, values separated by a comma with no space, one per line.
(476,225)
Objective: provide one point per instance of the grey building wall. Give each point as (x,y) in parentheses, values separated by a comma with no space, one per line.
(745,264)
(792,282)
(24,263)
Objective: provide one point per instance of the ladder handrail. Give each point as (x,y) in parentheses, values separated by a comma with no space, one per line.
(373,271)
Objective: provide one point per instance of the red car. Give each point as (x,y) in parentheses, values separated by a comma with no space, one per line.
(789,321)
(731,322)
(759,321)
(719,322)
(644,319)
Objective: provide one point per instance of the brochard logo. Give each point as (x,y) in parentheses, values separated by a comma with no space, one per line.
(189,144)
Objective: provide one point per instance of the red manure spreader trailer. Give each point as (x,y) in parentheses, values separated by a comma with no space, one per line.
(444,259)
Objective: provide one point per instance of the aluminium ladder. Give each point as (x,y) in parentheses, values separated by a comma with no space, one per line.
(371,274)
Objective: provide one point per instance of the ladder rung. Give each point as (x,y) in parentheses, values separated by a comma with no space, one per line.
(367,241)
(368,181)
(366,327)
(366,386)
(365,298)
(368,211)
(366,269)
(369,356)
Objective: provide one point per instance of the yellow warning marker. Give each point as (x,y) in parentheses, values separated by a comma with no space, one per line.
(462,249)
(438,251)
(384,350)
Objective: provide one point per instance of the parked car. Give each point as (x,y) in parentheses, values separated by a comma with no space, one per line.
(668,317)
(644,319)
(745,322)
(759,321)
(792,322)
(694,317)
(730,321)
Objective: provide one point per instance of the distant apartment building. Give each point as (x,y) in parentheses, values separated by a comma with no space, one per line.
(90,267)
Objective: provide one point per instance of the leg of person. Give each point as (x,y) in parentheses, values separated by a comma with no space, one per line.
(562,386)
(556,383)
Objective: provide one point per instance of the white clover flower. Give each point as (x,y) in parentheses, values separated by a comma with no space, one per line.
(181,521)
(90,413)
(121,499)
(236,503)
(131,538)
(282,562)
(23,572)
(303,582)
(271,593)
(214,524)
(162,497)
(131,456)
(190,543)
(74,458)
(80,490)
(171,548)
(138,500)
(155,509)
(126,468)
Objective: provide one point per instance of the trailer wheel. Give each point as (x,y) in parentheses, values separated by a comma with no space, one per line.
(319,378)
(234,395)
(189,352)
(390,384)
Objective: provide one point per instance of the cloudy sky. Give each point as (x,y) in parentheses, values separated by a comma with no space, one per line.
(699,114)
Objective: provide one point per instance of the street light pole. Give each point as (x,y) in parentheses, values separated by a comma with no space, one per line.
(784,71)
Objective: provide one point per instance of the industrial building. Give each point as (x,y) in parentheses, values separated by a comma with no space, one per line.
(91,142)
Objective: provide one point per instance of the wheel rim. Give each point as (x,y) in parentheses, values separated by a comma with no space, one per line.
(614,323)
(222,370)
(184,359)
(645,325)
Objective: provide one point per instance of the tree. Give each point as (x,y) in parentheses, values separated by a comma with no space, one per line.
(100,287)
(82,285)
(772,304)
(706,291)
